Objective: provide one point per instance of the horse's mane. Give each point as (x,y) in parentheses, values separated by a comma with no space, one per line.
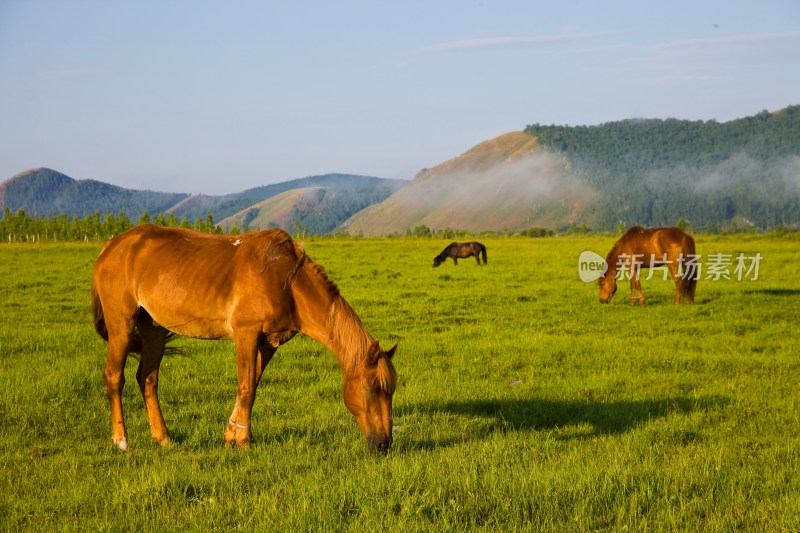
(347,333)
(348,336)
(611,258)
(318,271)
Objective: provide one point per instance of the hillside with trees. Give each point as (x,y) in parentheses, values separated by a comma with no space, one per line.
(43,191)
(739,175)
(744,172)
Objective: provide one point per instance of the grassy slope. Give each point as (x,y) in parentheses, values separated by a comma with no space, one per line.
(527,187)
(275,211)
(522,403)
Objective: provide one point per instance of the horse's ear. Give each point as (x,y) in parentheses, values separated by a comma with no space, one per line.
(374,352)
(390,351)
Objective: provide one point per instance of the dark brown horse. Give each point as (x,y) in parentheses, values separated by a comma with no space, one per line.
(461,250)
(647,248)
(258,289)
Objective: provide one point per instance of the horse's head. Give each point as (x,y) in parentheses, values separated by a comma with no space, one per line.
(368,395)
(608,286)
(438,260)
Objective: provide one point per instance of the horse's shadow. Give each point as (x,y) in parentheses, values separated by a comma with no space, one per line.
(588,418)
(775,292)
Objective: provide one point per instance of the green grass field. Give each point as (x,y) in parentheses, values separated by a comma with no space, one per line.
(523,404)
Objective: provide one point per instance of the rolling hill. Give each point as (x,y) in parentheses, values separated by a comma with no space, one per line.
(507,182)
(360,188)
(42,192)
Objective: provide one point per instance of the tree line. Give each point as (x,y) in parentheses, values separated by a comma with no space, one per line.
(22,227)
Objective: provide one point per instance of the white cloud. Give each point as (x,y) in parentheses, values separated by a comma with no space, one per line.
(496,42)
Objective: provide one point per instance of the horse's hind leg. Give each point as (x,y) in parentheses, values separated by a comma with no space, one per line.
(114,377)
(153,342)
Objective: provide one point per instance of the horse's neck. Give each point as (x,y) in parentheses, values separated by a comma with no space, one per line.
(612,259)
(349,340)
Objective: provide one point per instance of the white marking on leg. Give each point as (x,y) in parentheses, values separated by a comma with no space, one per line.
(122,444)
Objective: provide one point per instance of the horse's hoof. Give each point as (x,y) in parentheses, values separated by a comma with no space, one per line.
(122,444)
(244,445)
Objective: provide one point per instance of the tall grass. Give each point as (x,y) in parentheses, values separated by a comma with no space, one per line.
(522,403)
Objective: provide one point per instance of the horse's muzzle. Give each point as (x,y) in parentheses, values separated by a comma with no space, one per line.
(379,444)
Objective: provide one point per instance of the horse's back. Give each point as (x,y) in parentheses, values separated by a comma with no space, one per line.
(674,238)
(640,240)
(190,281)
(173,247)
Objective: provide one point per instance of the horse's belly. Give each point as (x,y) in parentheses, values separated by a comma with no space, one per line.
(190,320)
(202,329)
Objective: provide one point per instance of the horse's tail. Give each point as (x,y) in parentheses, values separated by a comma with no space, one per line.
(483,254)
(135,341)
(689,275)
(99,318)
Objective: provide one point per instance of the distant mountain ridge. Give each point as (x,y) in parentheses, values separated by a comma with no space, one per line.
(44,191)
(744,173)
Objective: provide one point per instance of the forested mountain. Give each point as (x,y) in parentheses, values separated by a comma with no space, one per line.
(743,172)
(739,174)
(45,192)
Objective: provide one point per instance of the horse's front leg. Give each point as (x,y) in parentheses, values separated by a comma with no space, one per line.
(676,277)
(455,261)
(636,287)
(640,291)
(237,433)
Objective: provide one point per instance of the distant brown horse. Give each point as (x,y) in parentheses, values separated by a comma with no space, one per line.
(258,289)
(461,250)
(646,248)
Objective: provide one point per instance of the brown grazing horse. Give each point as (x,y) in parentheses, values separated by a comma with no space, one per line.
(461,250)
(644,248)
(258,289)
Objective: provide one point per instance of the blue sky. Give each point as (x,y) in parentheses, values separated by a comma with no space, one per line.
(217,97)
